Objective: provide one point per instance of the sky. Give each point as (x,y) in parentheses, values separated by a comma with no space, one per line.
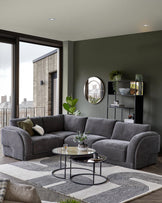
(28,52)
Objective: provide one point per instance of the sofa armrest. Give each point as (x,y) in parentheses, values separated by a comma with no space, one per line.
(142,148)
(18,140)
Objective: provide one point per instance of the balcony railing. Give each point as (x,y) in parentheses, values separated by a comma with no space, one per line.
(5,114)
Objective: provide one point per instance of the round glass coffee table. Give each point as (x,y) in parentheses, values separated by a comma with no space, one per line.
(75,154)
(69,152)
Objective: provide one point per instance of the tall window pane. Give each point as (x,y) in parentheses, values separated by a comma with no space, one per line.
(5,83)
(37,65)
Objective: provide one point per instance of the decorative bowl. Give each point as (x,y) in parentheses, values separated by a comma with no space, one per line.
(124,91)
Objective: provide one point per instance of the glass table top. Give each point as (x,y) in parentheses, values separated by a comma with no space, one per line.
(72,151)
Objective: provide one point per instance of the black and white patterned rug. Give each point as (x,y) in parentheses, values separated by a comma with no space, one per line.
(124,184)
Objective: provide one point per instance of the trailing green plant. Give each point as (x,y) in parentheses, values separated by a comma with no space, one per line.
(70,201)
(115,73)
(70,105)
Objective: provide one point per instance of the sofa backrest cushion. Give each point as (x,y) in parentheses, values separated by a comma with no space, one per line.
(100,126)
(125,131)
(74,123)
(14,121)
(53,123)
(35,120)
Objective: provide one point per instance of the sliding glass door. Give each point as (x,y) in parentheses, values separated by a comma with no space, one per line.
(6,58)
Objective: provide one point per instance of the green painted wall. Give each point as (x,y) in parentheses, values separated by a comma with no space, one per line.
(137,53)
(67,70)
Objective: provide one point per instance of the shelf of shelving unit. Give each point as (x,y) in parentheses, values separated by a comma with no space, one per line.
(135,94)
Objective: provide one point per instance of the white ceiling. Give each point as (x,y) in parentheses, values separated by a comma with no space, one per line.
(80,19)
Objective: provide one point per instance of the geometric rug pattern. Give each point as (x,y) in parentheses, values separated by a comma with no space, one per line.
(124,184)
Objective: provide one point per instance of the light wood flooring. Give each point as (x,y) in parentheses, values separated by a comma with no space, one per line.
(154,197)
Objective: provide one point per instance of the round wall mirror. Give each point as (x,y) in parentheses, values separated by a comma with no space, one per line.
(94,90)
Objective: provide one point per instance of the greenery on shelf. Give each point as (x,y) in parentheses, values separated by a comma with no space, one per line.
(70,106)
(115,75)
(70,201)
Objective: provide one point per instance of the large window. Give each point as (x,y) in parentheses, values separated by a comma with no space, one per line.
(30,73)
(37,65)
(5,83)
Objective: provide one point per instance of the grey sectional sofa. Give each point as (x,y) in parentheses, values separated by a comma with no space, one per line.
(125,144)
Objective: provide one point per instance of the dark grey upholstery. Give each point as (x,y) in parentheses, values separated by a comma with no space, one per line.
(45,143)
(114,150)
(143,149)
(90,140)
(14,121)
(53,123)
(125,131)
(64,134)
(74,123)
(100,126)
(70,140)
(37,121)
(16,143)
(125,144)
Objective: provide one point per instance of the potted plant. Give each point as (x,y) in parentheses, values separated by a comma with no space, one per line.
(80,138)
(70,106)
(115,75)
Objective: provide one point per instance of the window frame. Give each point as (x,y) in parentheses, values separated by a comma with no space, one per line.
(15,38)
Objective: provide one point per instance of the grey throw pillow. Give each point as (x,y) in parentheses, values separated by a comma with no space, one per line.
(22,193)
(3,188)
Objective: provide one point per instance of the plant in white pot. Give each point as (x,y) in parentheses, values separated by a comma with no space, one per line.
(81,138)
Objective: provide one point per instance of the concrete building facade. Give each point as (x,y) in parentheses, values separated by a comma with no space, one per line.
(45,84)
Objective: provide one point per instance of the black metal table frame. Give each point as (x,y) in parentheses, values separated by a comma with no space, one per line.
(93,174)
(65,167)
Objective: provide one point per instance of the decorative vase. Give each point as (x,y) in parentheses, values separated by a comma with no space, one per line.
(82,147)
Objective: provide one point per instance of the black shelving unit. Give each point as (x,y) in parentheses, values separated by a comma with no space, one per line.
(135,97)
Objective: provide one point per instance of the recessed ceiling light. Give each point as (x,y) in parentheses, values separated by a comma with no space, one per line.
(52,19)
(145,25)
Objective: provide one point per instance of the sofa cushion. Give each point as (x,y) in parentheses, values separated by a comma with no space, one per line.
(46,143)
(89,141)
(100,126)
(125,131)
(64,134)
(53,123)
(70,140)
(74,123)
(114,150)
(14,121)
(3,188)
(21,193)
(27,126)
(37,121)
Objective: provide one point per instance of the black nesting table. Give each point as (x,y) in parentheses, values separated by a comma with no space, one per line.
(74,154)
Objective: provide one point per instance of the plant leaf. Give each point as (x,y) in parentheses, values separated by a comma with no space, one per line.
(66,106)
(72,110)
(74,101)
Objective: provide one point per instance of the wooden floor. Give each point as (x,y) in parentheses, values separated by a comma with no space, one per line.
(154,197)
